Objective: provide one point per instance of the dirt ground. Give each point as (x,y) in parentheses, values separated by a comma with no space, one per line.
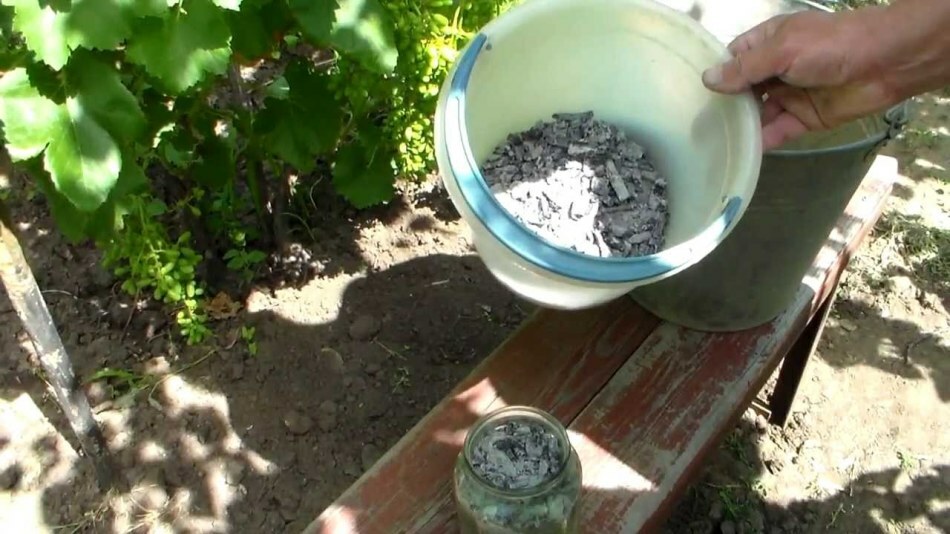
(224,438)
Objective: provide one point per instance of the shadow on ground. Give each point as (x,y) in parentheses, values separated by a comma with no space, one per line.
(728,497)
(226,438)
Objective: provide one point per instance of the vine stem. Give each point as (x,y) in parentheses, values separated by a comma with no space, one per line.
(281,194)
(27,300)
(241,98)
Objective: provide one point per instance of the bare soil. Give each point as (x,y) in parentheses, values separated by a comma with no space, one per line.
(217,439)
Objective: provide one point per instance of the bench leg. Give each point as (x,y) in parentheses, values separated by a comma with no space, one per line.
(793,366)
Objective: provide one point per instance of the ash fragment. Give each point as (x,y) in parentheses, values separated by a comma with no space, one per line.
(517,454)
(580,183)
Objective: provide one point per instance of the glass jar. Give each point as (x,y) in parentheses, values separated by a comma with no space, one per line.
(517,473)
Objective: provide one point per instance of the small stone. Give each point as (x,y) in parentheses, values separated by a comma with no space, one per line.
(328,407)
(761,423)
(157,366)
(848,325)
(727,527)
(327,422)
(368,456)
(102,277)
(350,469)
(775,465)
(287,495)
(151,498)
(119,313)
(372,369)
(285,458)
(288,514)
(331,361)
(10,477)
(97,393)
(374,403)
(273,522)
(364,328)
(297,423)
(237,370)
(757,521)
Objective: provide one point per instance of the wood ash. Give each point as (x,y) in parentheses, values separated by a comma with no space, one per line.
(580,183)
(517,454)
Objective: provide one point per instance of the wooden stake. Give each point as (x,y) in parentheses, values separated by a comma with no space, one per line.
(27,300)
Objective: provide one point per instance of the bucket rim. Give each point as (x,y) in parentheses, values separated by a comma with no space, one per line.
(894,119)
(560,260)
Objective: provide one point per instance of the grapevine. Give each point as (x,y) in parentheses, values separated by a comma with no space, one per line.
(138,124)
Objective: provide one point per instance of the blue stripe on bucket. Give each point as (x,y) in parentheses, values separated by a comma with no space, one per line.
(525,243)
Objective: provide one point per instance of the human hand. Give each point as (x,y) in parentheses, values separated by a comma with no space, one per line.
(816,70)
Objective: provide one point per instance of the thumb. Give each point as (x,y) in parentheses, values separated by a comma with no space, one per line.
(756,58)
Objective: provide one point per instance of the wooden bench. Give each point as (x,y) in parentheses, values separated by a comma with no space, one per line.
(644,400)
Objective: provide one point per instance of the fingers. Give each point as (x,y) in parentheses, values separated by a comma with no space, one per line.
(753,37)
(756,57)
(782,129)
(744,70)
(770,110)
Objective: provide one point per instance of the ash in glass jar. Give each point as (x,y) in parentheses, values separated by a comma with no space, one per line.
(517,473)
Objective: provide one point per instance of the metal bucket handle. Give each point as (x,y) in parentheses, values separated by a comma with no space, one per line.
(896,119)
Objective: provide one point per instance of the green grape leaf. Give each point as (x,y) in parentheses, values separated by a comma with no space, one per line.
(305,124)
(109,217)
(69,219)
(363,171)
(147,8)
(256,28)
(231,5)
(102,95)
(99,225)
(6,23)
(29,119)
(82,158)
(278,89)
(11,55)
(54,29)
(175,146)
(43,30)
(216,166)
(181,50)
(101,24)
(362,28)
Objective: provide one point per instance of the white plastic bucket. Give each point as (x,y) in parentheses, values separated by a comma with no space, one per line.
(635,63)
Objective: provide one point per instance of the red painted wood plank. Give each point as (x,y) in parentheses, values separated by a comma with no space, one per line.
(556,361)
(635,464)
(647,432)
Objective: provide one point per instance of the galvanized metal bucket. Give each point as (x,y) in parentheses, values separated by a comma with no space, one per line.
(802,190)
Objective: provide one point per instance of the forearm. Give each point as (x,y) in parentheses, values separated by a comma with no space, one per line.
(909,46)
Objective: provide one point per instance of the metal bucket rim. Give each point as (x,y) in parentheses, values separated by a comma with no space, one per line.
(893,119)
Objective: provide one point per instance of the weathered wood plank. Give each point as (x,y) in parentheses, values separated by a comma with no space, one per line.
(557,361)
(647,431)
